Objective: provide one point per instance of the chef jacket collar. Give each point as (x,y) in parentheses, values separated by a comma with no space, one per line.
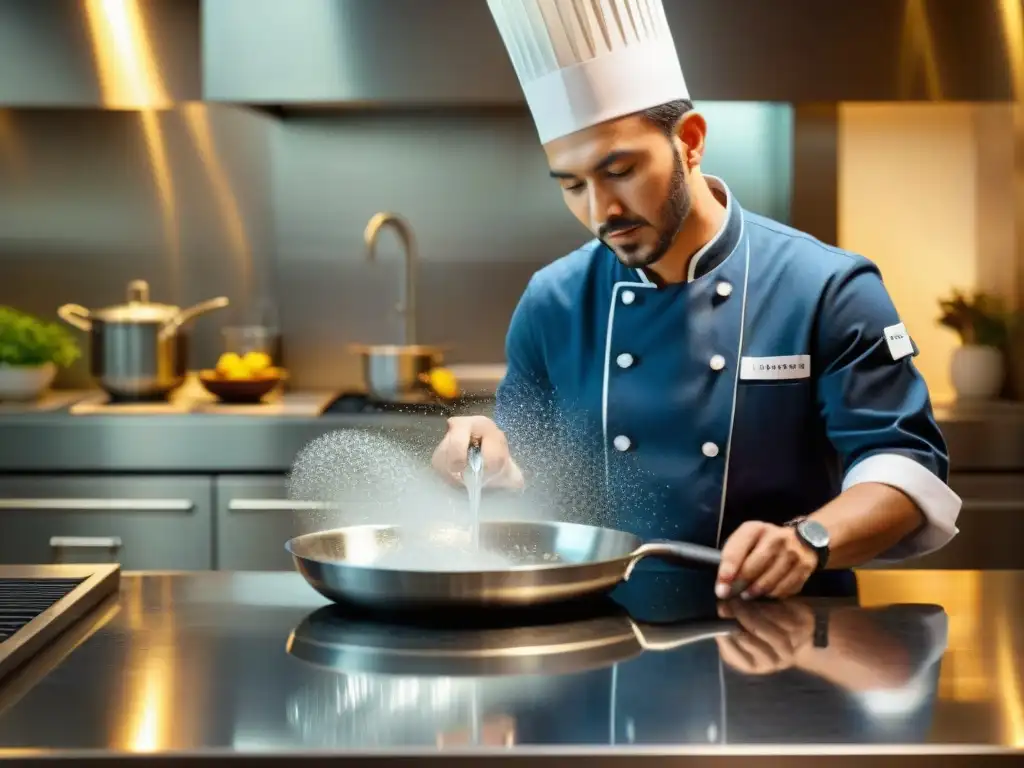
(718,248)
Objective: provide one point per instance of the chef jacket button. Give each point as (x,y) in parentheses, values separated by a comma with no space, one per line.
(717,363)
(622,443)
(628,297)
(708,449)
(625,360)
(724,289)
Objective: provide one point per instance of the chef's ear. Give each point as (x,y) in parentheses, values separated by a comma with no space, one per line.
(692,131)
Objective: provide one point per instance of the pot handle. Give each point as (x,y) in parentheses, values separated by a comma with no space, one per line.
(76,315)
(198,309)
(686,554)
(668,637)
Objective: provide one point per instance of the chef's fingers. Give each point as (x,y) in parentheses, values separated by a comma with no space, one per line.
(494,451)
(738,546)
(791,585)
(441,460)
(784,562)
(761,558)
(451,455)
(453,452)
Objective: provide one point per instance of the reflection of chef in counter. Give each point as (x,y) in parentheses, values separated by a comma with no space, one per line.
(789,673)
(723,378)
(795,674)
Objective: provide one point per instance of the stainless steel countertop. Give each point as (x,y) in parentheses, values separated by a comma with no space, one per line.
(917,664)
(983,438)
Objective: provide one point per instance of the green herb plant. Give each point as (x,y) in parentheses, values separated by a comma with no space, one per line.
(26,340)
(977,318)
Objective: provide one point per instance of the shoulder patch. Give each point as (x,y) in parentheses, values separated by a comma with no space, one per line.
(899,342)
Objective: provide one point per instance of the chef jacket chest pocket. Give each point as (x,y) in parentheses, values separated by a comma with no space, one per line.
(773,417)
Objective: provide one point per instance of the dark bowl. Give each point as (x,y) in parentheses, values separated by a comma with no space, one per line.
(239,391)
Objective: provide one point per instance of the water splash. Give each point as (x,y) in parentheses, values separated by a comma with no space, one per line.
(360,476)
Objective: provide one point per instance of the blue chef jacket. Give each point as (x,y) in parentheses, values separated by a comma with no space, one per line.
(760,388)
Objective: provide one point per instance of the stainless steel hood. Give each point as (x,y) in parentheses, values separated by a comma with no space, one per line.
(114,54)
(448,52)
(444,53)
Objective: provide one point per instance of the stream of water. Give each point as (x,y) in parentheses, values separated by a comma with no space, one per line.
(473,478)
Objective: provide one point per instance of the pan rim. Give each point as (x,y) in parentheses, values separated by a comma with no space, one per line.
(528,568)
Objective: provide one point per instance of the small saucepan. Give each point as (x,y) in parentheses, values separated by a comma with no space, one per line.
(393,372)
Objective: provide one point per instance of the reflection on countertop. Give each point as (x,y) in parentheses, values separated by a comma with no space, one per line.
(259,663)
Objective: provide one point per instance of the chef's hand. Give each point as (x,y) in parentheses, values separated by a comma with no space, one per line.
(772,638)
(761,559)
(450,456)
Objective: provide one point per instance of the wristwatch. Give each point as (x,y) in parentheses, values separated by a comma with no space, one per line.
(814,535)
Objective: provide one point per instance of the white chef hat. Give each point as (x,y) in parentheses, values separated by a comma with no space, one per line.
(582,62)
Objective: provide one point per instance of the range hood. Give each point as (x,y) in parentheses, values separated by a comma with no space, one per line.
(445,53)
(410,52)
(114,54)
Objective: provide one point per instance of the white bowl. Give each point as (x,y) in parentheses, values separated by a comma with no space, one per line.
(25,383)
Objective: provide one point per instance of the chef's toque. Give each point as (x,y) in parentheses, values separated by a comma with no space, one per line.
(582,62)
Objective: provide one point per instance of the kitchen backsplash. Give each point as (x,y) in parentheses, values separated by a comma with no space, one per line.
(207,200)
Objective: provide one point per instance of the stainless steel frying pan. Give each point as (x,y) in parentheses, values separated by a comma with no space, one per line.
(548,563)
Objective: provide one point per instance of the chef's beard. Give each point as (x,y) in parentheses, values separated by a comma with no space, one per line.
(673,214)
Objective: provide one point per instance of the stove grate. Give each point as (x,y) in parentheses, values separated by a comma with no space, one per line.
(21,600)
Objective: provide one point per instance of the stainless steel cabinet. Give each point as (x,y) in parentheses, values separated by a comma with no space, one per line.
(144,523)
(254,520)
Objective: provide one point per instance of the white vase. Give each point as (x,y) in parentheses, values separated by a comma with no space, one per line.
(23,383)
(977,372)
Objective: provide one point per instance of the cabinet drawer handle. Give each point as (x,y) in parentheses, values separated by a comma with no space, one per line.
(113,543)
(277,505)
(92,505)
(994,505)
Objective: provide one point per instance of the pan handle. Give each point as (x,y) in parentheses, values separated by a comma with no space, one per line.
(686,554)
(668,637)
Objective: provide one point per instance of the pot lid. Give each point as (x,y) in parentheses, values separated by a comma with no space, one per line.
(138,309)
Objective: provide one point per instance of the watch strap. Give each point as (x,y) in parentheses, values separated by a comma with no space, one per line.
(820,628)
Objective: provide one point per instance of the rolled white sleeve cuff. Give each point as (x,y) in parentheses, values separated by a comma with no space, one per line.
(934,498)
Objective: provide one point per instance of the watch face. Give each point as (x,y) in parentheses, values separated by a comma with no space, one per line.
(814,533)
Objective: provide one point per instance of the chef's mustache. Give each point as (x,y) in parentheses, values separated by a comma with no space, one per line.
(614,225)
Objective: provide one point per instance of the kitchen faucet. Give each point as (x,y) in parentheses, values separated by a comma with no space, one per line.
(407,289)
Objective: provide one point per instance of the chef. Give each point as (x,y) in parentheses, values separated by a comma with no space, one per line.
(719,377)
